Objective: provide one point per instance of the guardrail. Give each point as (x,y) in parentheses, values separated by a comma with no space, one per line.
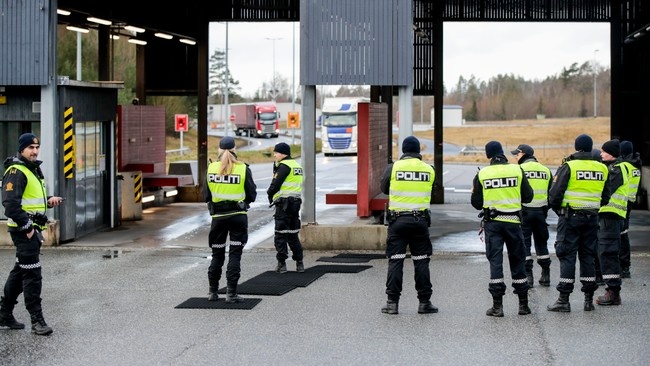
(181,151)
(471,150)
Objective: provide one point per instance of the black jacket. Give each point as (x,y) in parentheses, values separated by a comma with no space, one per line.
(14,183)
(526,190)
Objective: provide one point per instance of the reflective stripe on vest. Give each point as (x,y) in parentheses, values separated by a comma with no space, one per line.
(618,201)
(538,177)
(586,184)
(34,199)
(502,189)
(227,187)
(634,179)
(292,185)
(411,181)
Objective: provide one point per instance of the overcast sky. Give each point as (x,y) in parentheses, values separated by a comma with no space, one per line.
(530,50)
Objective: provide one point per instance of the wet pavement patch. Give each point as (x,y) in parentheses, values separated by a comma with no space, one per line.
(203,303)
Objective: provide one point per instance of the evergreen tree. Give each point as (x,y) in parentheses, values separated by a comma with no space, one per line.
(217,77)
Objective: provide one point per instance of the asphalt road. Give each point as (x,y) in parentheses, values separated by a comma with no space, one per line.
(121,311)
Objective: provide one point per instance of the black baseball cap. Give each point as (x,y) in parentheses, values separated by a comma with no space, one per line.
(523,148)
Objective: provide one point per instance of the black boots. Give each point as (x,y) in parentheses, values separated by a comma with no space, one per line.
(427,308)
(390,308)
(212,295)
(561,305)
(231,295)
(497,307)
(589,304)
(281,267)
(7,317)
(545,278)
(300,267)
(523,304)
(39,326)
(214,288)
(8,320)
(529,278)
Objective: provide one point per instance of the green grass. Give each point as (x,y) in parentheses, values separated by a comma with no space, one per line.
(248,156)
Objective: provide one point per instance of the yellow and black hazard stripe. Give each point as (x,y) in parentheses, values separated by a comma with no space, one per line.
(68,144)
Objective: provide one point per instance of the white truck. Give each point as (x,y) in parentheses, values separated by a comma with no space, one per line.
(339,125)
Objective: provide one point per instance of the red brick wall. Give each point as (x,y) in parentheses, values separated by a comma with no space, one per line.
(141,136)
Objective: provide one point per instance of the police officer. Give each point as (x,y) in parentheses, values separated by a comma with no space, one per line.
(534,214)
(610,222)
(25,201)
(408,183)
(229,189)
(499,191)
(285,194)
(631,162)
(578,191)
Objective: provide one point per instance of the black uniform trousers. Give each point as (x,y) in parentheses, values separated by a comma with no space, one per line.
(287,229)
(577,235)
(411,231)
(609,243)
(237,227)
(25,277)
(534,227)
(624,253)
(496,234)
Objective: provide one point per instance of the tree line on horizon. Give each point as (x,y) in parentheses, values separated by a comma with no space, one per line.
(570,93)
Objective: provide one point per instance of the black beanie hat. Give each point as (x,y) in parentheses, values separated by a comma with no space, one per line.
(411,145)
(282,148)
(492,149)
(27,139)
(626,148)
(612,147)
(584,143)
(227,143)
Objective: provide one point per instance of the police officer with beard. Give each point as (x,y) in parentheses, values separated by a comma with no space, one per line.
(408,183)
(499,191)
(533,214)
(25,201)
(610,223)
(577,193)
(229,189)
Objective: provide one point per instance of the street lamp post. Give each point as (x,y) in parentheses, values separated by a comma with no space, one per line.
(595,89)
(226,92)
(293,78)
(274,92)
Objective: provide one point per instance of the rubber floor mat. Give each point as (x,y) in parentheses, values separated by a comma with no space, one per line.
(361,255)
(343,259)
(203,303)
(269,289)
(337,268)
(288,278)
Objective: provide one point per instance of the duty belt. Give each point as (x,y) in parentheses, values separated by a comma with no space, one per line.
(419,213)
